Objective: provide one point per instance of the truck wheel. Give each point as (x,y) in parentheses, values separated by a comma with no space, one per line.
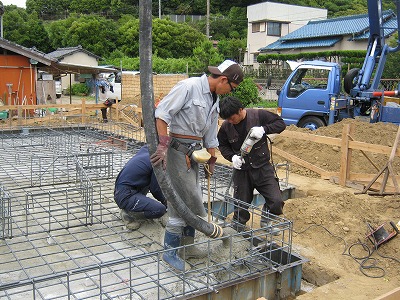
(311,123)
(350,80)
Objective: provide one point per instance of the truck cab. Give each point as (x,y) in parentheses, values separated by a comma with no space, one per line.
(305,96)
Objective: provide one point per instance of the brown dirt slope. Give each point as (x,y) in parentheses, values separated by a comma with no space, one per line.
(328,157)
(331,222)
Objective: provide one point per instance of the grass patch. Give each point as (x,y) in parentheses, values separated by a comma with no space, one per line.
(264,104)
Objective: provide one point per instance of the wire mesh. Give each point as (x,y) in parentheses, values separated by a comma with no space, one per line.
(62,237)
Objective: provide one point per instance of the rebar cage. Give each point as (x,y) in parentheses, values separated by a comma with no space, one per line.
(61,236)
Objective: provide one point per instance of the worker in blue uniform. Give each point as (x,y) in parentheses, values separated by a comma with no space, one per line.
(133,182)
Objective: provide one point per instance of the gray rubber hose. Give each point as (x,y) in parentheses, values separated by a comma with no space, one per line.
(147,99)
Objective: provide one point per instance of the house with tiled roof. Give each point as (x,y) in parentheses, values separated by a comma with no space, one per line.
(344,33)
(72,53)
(77,56)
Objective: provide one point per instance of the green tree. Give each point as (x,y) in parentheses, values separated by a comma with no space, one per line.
(232,48)
(391,69)
(170,65)
(128,36)
(175,40)
(95,34)
(247,92)
(48,9)
(25,29)
(91,6)
(238,17)
(57,31)
(219,27)
(170,40)
(122,7)
(203,56)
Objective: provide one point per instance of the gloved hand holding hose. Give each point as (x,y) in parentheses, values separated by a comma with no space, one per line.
(160,156)
(210,166)
(257,132)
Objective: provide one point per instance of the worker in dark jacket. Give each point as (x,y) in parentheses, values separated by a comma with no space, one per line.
(133,182)
(253,170)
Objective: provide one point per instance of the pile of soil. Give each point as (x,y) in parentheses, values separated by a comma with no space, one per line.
(327,157)
(333,224)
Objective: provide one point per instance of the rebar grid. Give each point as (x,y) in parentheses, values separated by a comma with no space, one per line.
(105,261)
(35,161)
(68,245)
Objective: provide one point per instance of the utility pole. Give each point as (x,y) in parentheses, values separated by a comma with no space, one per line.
(159,9)
(208,20)
(1,18)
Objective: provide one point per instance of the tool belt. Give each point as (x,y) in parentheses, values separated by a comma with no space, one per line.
(182,136)
(193,150)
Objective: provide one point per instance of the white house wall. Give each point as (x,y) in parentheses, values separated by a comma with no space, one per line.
(345,44)
(78,58)
(292,18)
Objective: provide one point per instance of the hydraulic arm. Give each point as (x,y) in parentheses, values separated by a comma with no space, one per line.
(376,52)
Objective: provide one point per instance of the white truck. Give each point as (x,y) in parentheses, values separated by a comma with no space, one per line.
(114,80)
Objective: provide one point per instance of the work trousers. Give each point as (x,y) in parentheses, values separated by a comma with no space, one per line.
(264,181)
(134,200)
(186,182)
(104,113)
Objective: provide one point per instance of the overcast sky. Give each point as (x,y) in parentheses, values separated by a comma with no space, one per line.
(20,3)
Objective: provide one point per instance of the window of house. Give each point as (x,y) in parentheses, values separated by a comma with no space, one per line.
(255,27)
(274,28)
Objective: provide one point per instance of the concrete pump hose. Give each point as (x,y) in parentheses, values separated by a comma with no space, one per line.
(147,100)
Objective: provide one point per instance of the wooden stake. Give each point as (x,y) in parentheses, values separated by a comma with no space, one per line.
(388,171)
(345,159)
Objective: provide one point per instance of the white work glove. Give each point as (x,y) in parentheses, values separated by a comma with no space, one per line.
(257,132)
(237,162)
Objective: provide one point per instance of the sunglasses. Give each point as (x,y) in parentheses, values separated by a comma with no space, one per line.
(232,88)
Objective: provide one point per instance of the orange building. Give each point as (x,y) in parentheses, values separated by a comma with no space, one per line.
(18,73)
(20,83)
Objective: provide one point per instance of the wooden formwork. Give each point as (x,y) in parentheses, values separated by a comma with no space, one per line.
(345,176)
(28,114)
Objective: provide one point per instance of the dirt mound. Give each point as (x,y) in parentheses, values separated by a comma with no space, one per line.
(328,157)
(331,223)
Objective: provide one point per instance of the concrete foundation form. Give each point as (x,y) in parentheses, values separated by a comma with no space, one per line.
(61,236)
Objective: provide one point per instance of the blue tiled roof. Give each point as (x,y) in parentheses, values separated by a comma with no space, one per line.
(389,27)
(326,33)
(357,24)
(305,43)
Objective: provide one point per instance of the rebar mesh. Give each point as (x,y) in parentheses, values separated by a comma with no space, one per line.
(62,237)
